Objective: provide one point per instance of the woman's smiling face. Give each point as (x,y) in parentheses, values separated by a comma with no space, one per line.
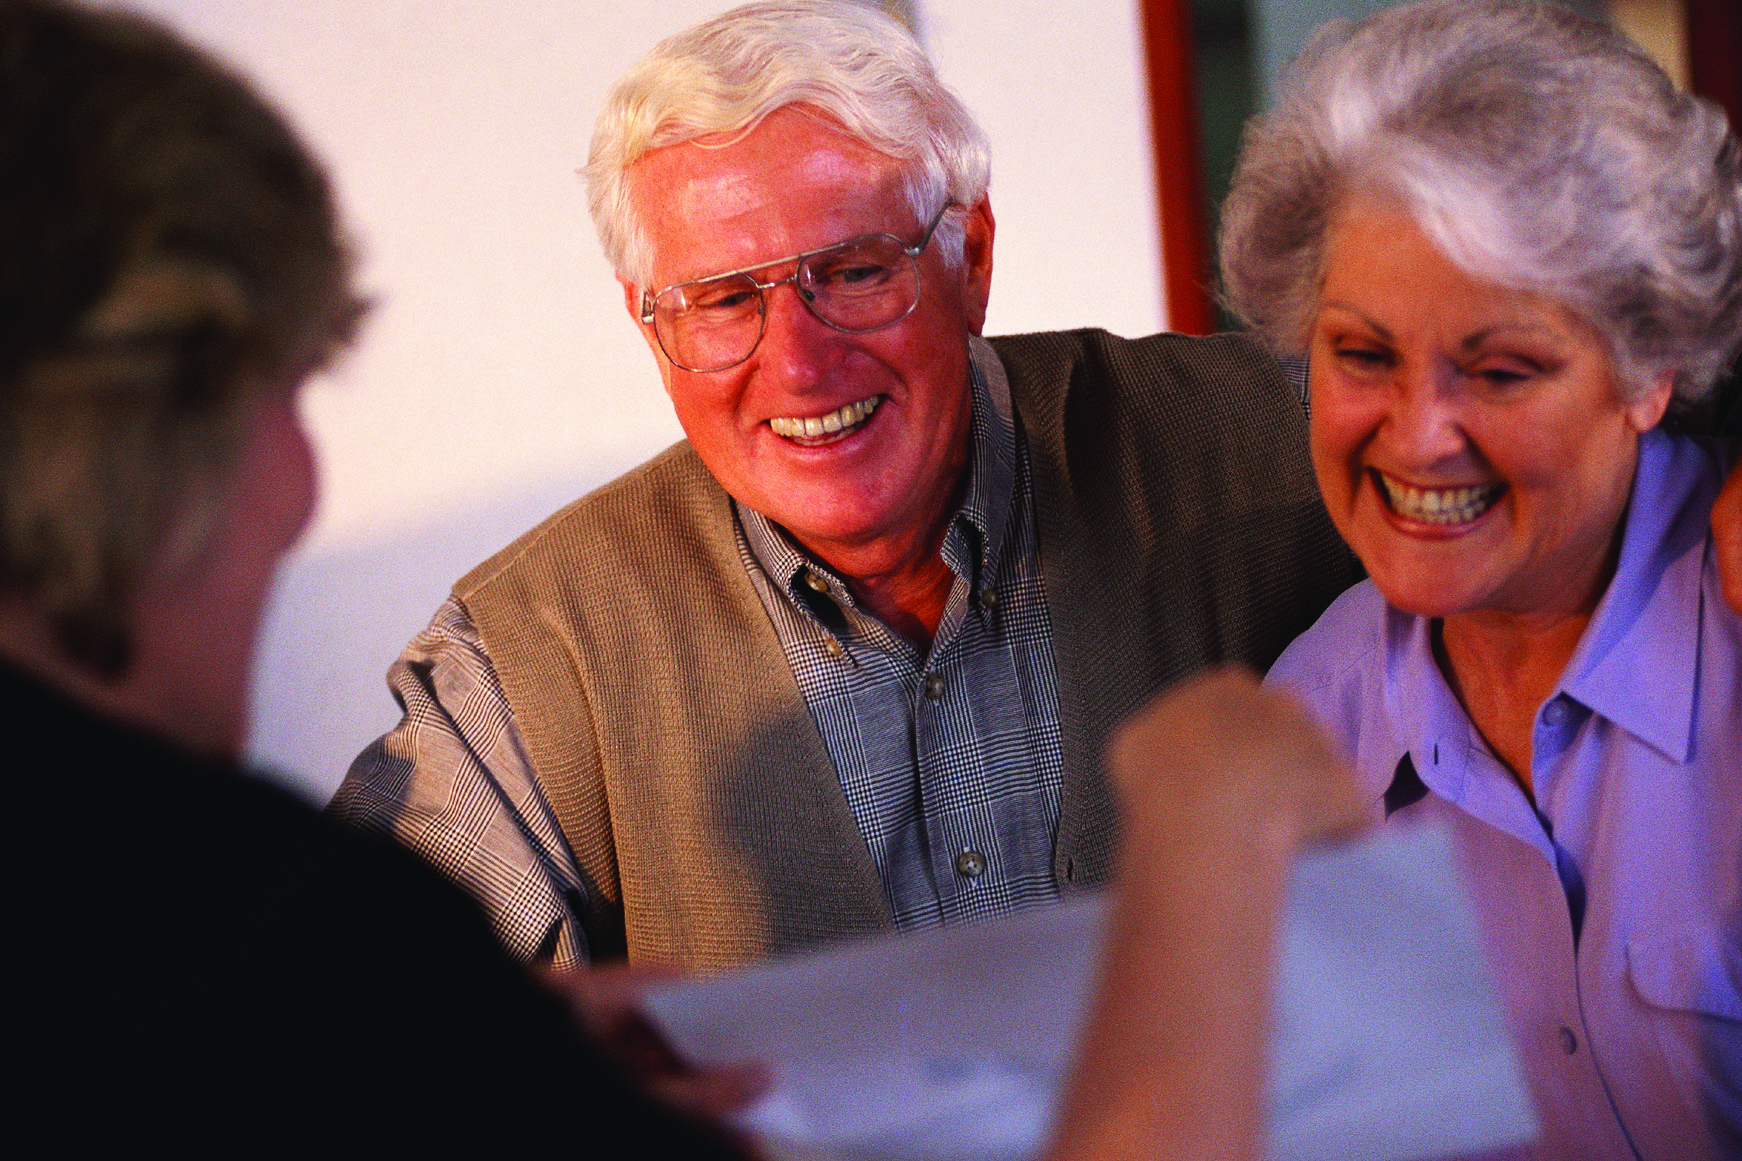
(1470,440)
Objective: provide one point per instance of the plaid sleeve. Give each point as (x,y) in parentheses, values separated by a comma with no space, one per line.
(453,783)
(1294,373)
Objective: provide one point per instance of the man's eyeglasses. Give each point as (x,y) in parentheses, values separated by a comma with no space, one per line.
(860,285)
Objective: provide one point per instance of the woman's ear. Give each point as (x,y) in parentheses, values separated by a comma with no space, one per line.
(1646,412)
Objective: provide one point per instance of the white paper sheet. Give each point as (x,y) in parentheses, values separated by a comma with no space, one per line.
(956,1043)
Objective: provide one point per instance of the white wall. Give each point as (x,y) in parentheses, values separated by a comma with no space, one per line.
(499,376)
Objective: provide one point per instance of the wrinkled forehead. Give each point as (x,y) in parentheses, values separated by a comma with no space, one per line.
(794,183)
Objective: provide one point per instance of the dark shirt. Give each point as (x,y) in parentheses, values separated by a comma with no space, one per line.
(210,966)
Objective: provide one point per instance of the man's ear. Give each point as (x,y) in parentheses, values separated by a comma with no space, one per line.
(632,303)
(977,232)
(274,485)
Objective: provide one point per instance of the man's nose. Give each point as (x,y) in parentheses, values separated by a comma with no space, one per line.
(796,345)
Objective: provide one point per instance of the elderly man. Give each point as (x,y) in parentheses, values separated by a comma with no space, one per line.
(845,658)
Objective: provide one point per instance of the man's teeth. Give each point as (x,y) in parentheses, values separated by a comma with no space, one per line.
(833,423)
(1439,505)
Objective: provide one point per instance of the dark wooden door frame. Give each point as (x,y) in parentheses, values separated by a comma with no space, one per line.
(1715,54)
(1187,274)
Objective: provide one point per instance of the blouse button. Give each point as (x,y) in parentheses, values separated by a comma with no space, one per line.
(1569,1042)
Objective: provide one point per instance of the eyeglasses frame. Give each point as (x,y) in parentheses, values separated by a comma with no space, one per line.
(649,297)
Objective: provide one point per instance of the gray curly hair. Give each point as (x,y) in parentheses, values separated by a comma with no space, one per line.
(1538,150)
(856,65)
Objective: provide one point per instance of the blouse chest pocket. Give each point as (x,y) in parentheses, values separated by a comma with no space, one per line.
(1690,980)
(1689,969)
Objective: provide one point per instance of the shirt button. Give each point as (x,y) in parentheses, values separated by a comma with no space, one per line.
(989,598)
(816,581)
(970,864)
(934,685)
(1569,1042)
(1555,712)
(832,647)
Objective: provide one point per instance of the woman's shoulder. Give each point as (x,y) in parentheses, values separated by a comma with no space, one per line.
(1337,669)
(1341,645)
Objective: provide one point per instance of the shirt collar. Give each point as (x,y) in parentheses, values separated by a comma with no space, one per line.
(1654,599)
(1432,727)
(975,537)
(1439,746)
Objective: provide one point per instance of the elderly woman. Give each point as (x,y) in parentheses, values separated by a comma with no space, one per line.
(1507,247)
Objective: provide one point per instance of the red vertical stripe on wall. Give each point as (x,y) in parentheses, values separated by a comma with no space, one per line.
(1179,182)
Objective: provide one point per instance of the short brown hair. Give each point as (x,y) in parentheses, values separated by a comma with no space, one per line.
(170,254)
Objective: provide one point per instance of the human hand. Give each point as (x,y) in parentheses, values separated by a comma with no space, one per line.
(1727,537)
(606,1002)
(1220,750)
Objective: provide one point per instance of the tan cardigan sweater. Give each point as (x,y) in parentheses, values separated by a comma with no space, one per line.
(1179,525)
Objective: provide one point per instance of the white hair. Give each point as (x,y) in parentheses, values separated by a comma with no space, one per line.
(1537,149)
(853,64)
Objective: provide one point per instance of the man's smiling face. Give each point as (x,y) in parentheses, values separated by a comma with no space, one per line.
(845,440)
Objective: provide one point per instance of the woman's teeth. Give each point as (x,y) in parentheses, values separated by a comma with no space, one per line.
(1438,505)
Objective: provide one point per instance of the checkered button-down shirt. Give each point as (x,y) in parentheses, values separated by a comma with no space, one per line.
(950,759)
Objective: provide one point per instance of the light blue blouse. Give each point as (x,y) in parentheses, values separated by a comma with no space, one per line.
(1612,910)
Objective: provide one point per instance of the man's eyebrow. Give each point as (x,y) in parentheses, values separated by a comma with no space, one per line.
(769,263)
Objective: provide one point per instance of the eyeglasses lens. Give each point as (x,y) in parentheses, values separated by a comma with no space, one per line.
(858,286)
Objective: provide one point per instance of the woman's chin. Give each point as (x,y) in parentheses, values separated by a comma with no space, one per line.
(1435,593)
(1431,610)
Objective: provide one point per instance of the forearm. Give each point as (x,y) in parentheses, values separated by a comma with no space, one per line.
(453,783)
(1727,537)
(1221,782)
(1173,1061)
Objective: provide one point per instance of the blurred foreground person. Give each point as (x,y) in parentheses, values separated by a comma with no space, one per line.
(1509,247)
(206,965)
